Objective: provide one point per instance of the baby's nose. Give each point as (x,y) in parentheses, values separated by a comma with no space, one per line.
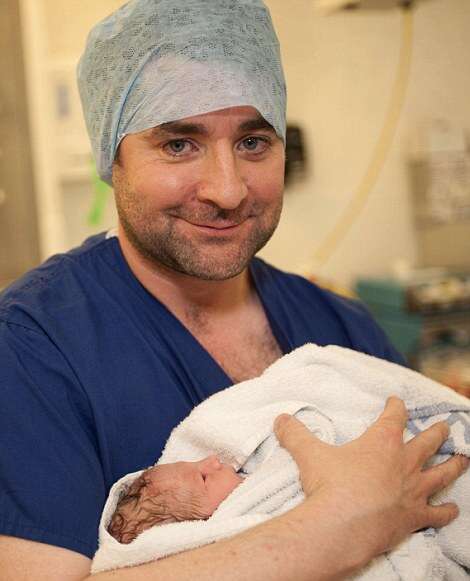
(210,464)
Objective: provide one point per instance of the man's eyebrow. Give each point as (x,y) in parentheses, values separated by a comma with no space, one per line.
(255,124)
(173,128)
(178,128)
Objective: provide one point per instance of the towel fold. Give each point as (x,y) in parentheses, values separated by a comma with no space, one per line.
(337,393)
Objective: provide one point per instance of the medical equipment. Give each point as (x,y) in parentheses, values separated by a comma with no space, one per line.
(428,319)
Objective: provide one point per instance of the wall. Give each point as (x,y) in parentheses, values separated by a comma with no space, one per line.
(68,23)
(340,70)
(54,37)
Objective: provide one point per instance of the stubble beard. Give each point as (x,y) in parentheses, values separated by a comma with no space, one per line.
(159,241)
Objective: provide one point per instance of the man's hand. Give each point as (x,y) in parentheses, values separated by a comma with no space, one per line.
(377,483)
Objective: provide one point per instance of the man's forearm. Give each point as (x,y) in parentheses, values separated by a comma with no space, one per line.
(308,543)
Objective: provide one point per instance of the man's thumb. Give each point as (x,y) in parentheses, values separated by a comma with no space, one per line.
(280,422)
(292,433)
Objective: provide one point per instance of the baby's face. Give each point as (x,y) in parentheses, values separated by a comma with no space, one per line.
(201,486)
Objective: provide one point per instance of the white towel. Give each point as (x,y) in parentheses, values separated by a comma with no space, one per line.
(337,393)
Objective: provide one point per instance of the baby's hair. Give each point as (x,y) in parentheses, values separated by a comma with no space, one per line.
(134,514)
(146,504)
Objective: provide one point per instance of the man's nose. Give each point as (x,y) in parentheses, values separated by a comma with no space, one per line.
(222,182)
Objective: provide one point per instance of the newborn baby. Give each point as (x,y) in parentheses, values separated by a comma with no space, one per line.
(175,492)
(336,393)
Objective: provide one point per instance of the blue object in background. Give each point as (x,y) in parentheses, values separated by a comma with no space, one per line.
(387,300)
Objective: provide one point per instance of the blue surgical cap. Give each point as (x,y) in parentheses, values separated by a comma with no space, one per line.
(155,61)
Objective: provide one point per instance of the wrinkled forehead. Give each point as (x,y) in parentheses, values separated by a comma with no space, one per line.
(170,480)
(173,473)
(157,61)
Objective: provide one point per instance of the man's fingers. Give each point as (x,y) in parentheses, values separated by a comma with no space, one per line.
(394,413)
(427,443)
(288,428)
(440,476)
(442,515)
(293,434)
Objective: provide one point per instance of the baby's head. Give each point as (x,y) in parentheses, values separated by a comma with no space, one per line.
(171,493)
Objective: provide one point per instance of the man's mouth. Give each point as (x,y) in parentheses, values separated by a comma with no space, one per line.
(217,226)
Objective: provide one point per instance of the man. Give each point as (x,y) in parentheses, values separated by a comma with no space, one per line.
(106,348)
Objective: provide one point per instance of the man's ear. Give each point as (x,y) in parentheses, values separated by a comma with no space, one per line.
(117,166)
(117,157)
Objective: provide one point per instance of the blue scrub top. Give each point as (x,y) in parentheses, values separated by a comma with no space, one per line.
(95,373)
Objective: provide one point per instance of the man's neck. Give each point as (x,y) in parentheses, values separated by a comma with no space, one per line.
(186,295)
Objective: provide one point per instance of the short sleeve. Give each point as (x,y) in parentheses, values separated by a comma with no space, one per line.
(51,480)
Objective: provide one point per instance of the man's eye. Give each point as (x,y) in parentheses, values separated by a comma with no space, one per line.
(255,144)
(178,147)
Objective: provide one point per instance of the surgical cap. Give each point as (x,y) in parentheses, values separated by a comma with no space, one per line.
(156,61)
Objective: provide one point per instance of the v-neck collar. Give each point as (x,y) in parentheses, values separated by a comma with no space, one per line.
(183,341)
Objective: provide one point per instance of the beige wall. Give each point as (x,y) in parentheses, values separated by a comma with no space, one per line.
(68,23)
(340,70)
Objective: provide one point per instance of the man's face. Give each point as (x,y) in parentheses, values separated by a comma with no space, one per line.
(202,195)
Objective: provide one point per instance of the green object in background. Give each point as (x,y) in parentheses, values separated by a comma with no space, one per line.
(101,191)
(386,300)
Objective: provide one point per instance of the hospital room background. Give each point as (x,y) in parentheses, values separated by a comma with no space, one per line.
(377,201)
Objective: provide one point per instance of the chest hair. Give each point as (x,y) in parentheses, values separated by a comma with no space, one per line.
(243,347)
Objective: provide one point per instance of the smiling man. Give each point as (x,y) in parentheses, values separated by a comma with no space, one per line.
(202,196)
(106,348)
